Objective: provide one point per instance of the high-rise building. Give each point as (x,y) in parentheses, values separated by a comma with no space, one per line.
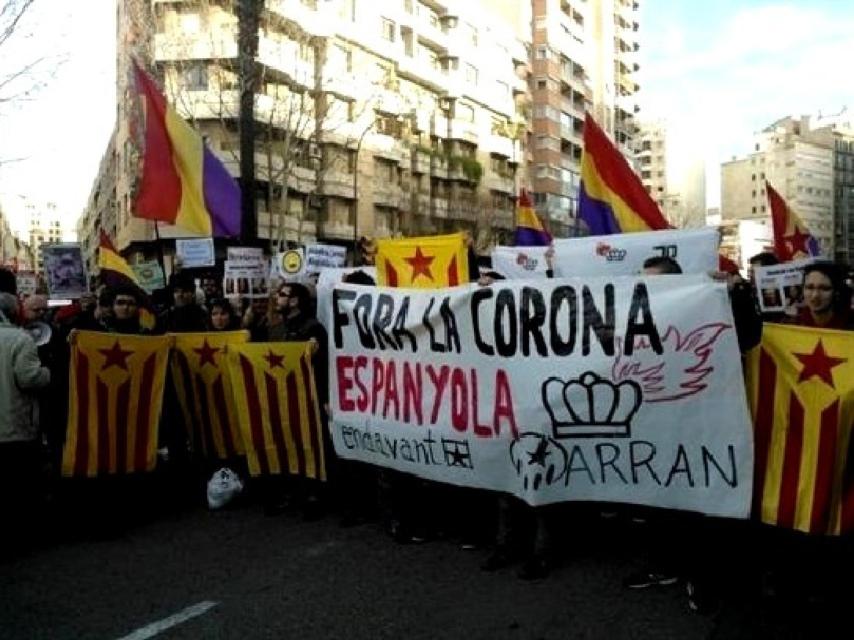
(673,173)
(584,59)
(44,225)
(798,161)
(371,118)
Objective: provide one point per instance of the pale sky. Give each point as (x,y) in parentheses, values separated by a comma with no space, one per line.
(724,69)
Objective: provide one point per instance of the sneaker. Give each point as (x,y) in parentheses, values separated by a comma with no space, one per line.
(644,579)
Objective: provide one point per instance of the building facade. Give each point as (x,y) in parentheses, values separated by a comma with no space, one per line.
(44,225)
(371,119)
(798,161)
(584,59)
(673,174)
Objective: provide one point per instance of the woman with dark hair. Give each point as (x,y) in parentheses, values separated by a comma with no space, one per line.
(827,300)
(221,316)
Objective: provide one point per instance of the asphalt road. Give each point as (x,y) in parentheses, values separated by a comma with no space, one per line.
(250,576)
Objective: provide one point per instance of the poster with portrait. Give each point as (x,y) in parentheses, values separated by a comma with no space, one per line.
(780,286)
(64,271)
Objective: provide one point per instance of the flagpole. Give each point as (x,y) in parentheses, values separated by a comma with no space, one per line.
(159,242)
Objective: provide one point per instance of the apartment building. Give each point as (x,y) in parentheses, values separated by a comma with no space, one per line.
(101,205)
(584,59)
(44,226)
(373,119)
(673,173)
(798,161)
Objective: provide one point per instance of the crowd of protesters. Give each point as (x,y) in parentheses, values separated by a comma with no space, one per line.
(33,402)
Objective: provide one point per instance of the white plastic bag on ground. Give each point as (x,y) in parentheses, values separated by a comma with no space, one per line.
(223,487)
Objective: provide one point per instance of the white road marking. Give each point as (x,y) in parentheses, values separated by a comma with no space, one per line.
(151,630)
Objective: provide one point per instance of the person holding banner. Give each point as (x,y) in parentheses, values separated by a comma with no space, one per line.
(827,299)
(125,314)
(221,315)
(185,316)
(298,324)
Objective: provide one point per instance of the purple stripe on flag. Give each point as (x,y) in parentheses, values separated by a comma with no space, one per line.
(222,196)
(597,214)
(812,246)
(527,237)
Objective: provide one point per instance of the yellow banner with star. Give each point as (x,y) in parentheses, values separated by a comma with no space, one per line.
(800,386)
(203,387)
(277,408)
(115,398)
(428,262)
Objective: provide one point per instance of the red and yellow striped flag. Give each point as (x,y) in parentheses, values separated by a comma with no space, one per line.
(203,386)
(429,262)
(277,408)
(115,397)
(800,384)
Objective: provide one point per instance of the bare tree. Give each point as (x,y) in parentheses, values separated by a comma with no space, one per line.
(29,72)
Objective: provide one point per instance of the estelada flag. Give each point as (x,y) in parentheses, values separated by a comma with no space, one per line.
(800,385)
(792,239)
(115,397)
(428,262)
(203,386)
(277,408)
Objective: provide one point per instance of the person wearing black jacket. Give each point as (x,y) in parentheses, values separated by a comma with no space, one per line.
(185,316)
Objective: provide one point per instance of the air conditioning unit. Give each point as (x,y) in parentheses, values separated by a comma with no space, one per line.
(313,150)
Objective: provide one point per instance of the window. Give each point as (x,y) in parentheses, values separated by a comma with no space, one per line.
(388,29)
(542,53)
(541,84)
(195,77)
(502,88)
(471,74)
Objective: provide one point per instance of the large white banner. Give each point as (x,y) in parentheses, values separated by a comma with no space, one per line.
(623,389)
(520,263)
(696,251)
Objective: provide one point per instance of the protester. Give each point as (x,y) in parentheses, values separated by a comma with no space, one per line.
(125,312)
(259,316)
(298,324)
(185,315)
(211,288)
(21,374)
(221,315)
(8,282)
(827,299)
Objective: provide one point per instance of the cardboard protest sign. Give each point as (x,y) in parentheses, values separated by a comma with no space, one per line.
(197,252)
(28,282)
(246,275)
(780,287)
(65,271)
(289,265)
(149,275)
(323,256)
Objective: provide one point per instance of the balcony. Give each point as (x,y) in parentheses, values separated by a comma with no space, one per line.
(499,145)
(389,102)
(421,162)
(338,183)
(422,204)
(439,167)
(335,230)
(435,35)
(422,71)
(293,229)
(282,56)
(316,22)
(386,146)
(462,211)
(387,195)
(440,207)
(168,47)
(504,184)
(461,130)
(345,85)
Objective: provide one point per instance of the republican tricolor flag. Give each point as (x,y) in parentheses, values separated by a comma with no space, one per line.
(792,239)
(428,262)
(800,387)
(183,183)
(611,198)
(529,228)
